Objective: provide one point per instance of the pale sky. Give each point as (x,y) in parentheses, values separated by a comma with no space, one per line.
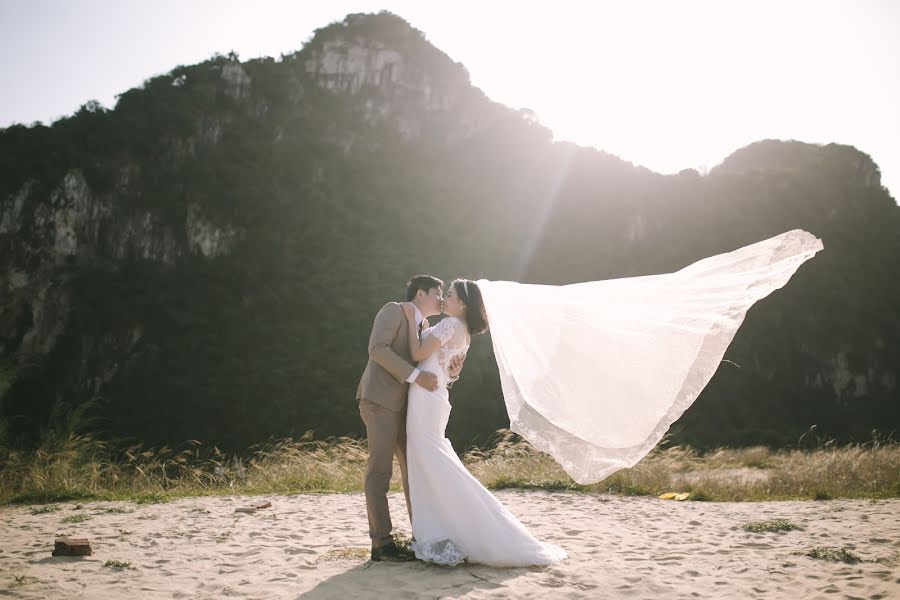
(668,85)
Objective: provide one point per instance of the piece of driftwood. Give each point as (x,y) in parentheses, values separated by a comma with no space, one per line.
(72,547)
(245,509)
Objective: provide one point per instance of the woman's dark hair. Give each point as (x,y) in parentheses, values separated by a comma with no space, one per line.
(468,292)
(426,283)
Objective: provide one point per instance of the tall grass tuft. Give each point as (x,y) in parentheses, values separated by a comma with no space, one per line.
(860,470)
(80,467)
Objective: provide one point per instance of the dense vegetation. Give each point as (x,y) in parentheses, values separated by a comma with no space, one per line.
(336,209)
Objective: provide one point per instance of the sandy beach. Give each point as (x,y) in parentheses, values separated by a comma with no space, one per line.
(315,546)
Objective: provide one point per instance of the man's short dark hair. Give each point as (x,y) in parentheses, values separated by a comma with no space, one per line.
(425,283)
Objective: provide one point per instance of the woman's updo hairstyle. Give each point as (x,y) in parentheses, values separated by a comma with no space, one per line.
(476,316)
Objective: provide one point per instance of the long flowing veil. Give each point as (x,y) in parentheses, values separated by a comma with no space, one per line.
(595,373)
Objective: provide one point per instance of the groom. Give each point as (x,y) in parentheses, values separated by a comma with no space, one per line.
(382,404)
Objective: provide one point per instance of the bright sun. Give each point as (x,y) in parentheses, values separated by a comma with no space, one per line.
(675,85)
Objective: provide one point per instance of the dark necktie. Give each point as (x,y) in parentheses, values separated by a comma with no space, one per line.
(420,328)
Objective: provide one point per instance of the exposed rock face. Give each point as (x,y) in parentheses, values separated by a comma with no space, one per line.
(75,226)
(350,66)
(345,66)
(143,236)
(205,237)
(221,249)
(238,81)
(73,217)
(405,80)
(11,215)
(75,223)
(49,311)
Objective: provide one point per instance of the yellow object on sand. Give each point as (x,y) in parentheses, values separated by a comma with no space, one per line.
(675,496)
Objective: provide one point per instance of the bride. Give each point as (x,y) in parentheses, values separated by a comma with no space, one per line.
(454,517)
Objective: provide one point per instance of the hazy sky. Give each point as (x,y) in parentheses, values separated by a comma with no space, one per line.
(667,84)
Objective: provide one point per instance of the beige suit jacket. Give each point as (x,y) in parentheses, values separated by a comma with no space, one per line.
(390,364)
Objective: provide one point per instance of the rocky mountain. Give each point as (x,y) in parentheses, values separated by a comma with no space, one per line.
(204,260)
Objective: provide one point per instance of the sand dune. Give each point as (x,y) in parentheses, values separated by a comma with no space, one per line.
(314,546)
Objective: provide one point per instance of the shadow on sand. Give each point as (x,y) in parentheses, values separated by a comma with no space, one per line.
(411,580)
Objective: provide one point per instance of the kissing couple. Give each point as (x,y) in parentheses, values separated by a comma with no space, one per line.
(404,402)
(592,373)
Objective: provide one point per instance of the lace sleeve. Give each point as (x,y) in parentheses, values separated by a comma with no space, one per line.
(447,330)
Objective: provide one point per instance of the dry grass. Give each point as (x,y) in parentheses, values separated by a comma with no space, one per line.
(43,510)
(81,518)
(832,554)
(80,468)
(23,579)
(773,525)
(345,553)
(870,470)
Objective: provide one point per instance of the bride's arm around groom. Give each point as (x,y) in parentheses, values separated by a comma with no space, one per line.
(385,333)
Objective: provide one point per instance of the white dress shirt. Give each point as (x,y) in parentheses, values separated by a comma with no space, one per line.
(419,319)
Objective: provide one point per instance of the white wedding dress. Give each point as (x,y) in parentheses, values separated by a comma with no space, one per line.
(454,517)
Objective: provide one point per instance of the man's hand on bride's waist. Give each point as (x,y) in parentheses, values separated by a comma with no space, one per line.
(427,380)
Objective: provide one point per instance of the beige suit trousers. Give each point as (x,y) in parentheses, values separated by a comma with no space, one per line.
(386,433)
